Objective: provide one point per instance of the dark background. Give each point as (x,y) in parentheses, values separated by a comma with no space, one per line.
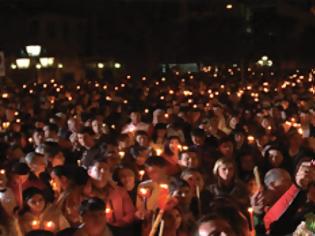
(147,33)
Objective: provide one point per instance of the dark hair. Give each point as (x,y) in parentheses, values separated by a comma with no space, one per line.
(86,130)
(157,127)
(51,149)
(224,209)
(40,233)
(167,149)
(120,168)
(20,168)
(52,127)
(92,205)
(197,132)
(176,184)
(156,161)
(136,150)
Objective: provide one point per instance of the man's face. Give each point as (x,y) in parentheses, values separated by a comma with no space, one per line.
(94,222)
(198,140)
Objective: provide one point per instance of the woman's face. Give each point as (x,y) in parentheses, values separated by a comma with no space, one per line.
(36,203)
(226,172)
(174,143)
(275,158)
(127,179)
(178,218)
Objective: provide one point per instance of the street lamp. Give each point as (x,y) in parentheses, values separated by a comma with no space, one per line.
(33,50)
(23,63)
(47,61)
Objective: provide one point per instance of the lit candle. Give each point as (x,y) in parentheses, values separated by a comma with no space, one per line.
(79,162)
(121,154)
(252,224)
(35,224)
(2,171)
(141,174)
(158,151)
(50,226)
(250,139)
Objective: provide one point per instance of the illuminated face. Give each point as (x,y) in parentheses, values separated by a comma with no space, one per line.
(155,173)
(275,158)
(226,172)
(36,203)
(97,126)
(100,174)
(135,117)
(127,178)
(174,144)
(189,160)
(184,195)
(38,138)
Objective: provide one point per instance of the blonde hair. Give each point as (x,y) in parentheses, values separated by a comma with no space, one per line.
(220,162)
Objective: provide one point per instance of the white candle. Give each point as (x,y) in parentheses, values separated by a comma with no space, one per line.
(161,228)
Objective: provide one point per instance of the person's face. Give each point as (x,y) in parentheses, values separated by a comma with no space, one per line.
(295,140)
(38,165)
(189,160)
(84,140)
(38,138)
(46,132)
(275,158)
(161,133)
(58,160)
(155,173)
(127,178)
(36,203)
(21,178)
(239,138)
(184,195)
(194,179)
(233,122)
(100,174)
(135,117)
(94,222)
(226,172)
(197,140)
(73,125)
(174,143)
(178,218)
(141,158)
(96,126)
(55,182)
(216,227)
(143,140)
(247,163)
(226,149)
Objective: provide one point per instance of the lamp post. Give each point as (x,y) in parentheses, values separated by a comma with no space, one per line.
(33,50)
(23,63)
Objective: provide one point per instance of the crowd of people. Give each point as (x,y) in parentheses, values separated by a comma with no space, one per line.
(177,154)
